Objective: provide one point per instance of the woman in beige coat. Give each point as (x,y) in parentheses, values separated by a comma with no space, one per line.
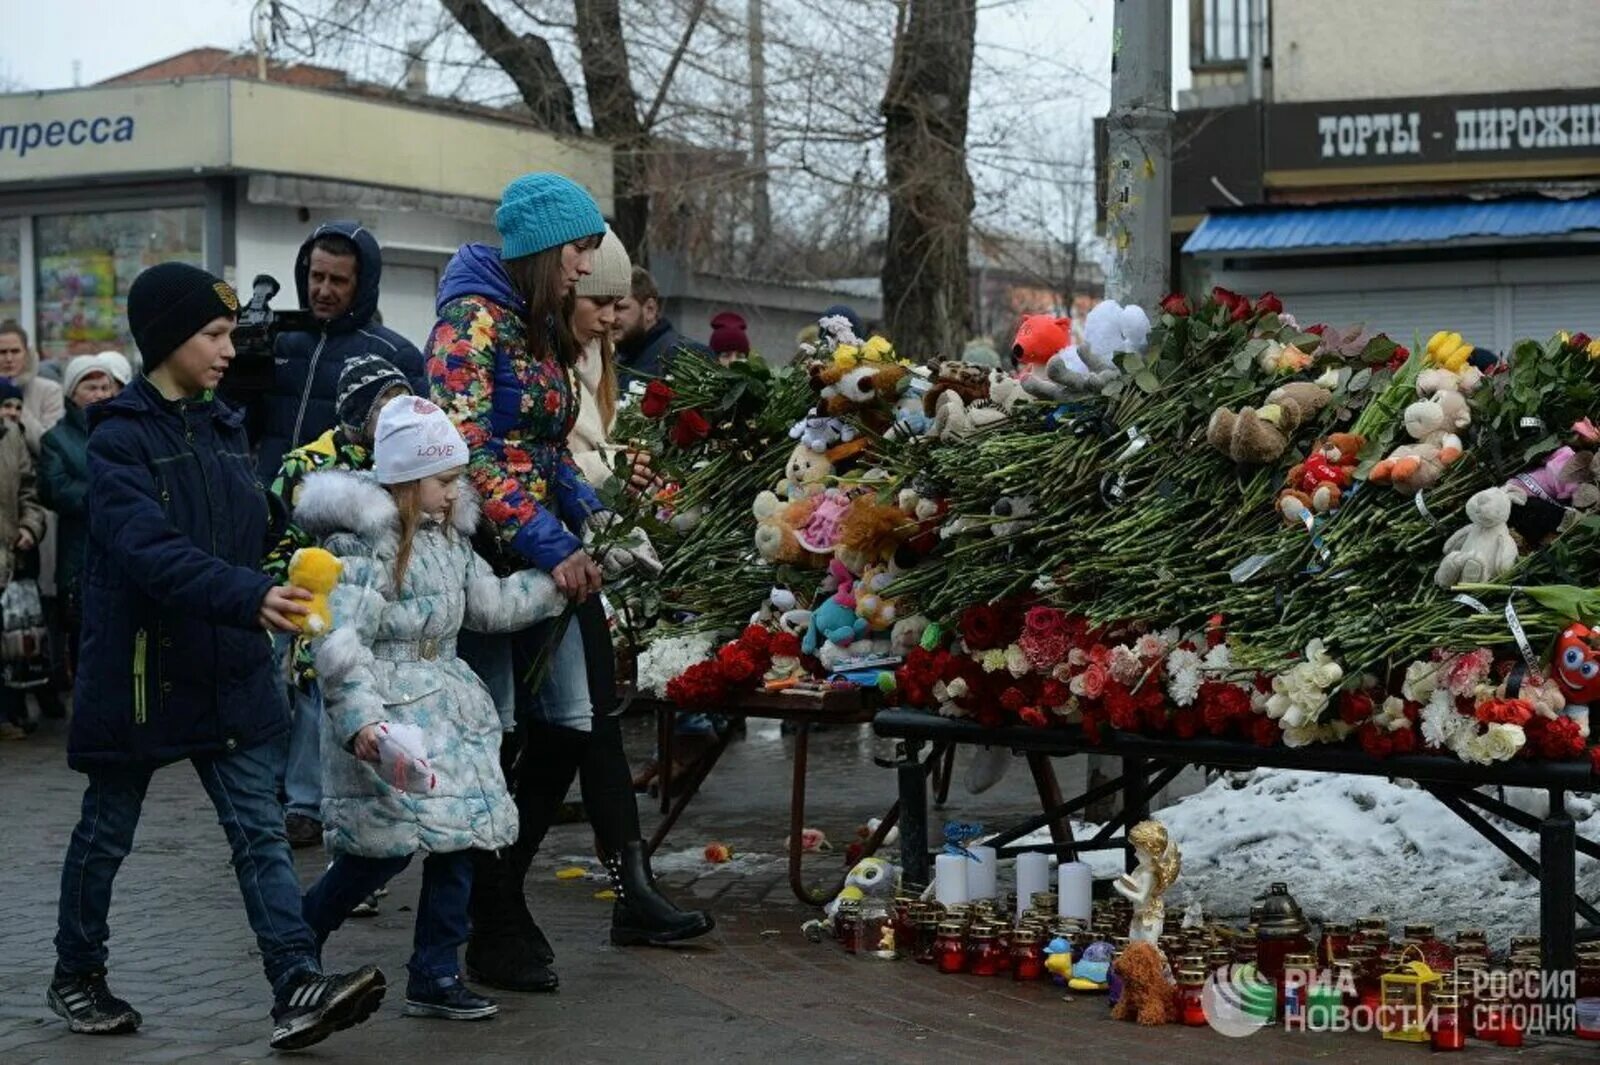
(594,316)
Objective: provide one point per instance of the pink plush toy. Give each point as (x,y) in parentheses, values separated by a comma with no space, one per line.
(821,533)
(1551,482)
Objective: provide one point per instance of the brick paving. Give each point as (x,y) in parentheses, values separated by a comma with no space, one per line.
(182,953)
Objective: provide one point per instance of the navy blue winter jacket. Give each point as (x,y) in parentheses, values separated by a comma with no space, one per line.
(300,406)
(173,661)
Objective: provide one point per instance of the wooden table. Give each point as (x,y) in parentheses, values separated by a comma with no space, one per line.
(833,706)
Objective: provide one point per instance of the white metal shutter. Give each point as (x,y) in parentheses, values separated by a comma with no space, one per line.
(1406,314)
(1538,312)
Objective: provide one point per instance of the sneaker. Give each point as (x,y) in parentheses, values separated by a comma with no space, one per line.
(450,1000)
(367,907)
(87,1005)
(315,1006)
(302,831)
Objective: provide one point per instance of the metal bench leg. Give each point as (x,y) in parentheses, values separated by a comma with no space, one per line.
(697,777)
(1558,886)
(915,866)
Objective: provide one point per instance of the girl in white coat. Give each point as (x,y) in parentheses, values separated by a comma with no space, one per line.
(411,581)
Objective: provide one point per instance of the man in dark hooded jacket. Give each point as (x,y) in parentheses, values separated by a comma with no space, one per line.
(336,274)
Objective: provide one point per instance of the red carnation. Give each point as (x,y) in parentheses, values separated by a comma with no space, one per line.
(1354,707)
(1121,709)
(1375,741)
(1264,731)
(689,427)
(1092,733)
(1505,712)
(1403,741)
(1269,303)
(1557,738)
(1186,723)
(1221,705)
(786,644)
(737,665)
(1594,760)
(657,397)
(1053,692)
(981,628)
(1177,305)
(1318,329)
(1154,715)
(1033,716)
(1579,341)
(1398,359)
(757,638)
(1013,699)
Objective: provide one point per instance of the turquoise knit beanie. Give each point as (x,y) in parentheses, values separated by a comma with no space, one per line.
(540,211)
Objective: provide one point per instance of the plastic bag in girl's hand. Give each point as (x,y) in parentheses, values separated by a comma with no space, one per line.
(403,758)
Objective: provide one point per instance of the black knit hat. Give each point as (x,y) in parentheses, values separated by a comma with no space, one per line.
(363,379)
(171,302)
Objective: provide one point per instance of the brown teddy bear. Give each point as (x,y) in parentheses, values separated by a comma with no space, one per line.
(1148,993)
(969,382)
(1316,485)
(1260,435)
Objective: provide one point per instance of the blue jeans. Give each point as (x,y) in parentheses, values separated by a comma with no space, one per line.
(243,786)
(302,777)
(441,925)
(562,700)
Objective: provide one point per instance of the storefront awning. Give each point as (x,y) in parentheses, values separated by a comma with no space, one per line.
(1288,229)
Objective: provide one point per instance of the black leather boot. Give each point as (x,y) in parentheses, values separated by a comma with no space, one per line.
(642,916)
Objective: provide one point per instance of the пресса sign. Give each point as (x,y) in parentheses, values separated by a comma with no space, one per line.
(1441,129)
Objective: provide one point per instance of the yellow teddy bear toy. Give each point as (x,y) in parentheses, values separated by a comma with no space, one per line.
(317,571)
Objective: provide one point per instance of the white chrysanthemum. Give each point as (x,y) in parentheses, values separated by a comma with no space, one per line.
(1184,687)
(663,660)
(1219,659)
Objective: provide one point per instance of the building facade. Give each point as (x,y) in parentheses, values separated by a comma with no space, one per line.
(232,173)
(1413,166)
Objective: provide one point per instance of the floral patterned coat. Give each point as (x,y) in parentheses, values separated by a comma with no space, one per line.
(391,657)
(514,406)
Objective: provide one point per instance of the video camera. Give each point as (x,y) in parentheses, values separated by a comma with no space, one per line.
(253,372)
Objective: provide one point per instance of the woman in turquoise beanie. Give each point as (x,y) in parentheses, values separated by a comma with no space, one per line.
(501,362)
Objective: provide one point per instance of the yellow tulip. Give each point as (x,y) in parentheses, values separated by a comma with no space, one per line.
(1593,349)
(878,349)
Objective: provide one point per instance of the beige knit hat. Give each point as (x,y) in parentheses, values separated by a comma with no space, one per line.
(613,272)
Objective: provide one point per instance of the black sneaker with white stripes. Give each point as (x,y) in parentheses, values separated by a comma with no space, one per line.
(315,1006)
(87,1005)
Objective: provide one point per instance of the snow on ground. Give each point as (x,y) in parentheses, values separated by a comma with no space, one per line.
(1350,846)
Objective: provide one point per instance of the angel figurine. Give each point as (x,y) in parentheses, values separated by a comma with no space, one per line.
(1159,862)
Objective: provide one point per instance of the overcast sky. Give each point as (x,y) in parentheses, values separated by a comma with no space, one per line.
(44,38)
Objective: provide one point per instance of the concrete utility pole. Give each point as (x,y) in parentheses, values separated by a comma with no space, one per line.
(760,199)
(1139,152)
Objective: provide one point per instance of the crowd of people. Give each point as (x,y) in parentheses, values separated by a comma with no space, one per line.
(456,487)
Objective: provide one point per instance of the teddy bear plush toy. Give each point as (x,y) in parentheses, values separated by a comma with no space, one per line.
(954,418)
(819,433)
(1148,993)
(805,474)
(317,571)
(1482,552)
(1433,424)
(778,523)
(969,383)
(871,532)
(1260,435)
(875,607)
(1316,485)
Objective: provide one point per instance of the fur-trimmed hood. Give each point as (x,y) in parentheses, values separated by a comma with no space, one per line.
(341,501)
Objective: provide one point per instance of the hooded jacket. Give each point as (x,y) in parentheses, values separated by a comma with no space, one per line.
(43,402)
(641,358)
(301,403)
(391,657)
(514,405)
(173,660)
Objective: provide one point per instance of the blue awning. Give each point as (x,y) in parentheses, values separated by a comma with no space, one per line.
(1281,229)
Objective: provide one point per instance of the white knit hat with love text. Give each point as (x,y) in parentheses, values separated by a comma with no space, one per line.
(415,439)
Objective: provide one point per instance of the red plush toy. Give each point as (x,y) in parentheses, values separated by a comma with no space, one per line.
(1039,337)
(1315,485)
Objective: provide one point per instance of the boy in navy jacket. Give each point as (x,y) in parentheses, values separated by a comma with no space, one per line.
(176,660)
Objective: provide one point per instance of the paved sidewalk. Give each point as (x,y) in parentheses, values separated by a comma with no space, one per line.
(756,989)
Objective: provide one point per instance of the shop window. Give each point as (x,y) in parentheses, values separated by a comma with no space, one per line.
(1219,34)
(84,264)
(10,269)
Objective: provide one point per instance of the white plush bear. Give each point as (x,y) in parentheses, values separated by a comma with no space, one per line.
(1484,551)
(1110,328)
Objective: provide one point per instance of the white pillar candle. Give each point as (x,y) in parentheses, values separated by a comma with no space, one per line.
(1033,876)
(982,873)
(950,879)
(1075,889)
